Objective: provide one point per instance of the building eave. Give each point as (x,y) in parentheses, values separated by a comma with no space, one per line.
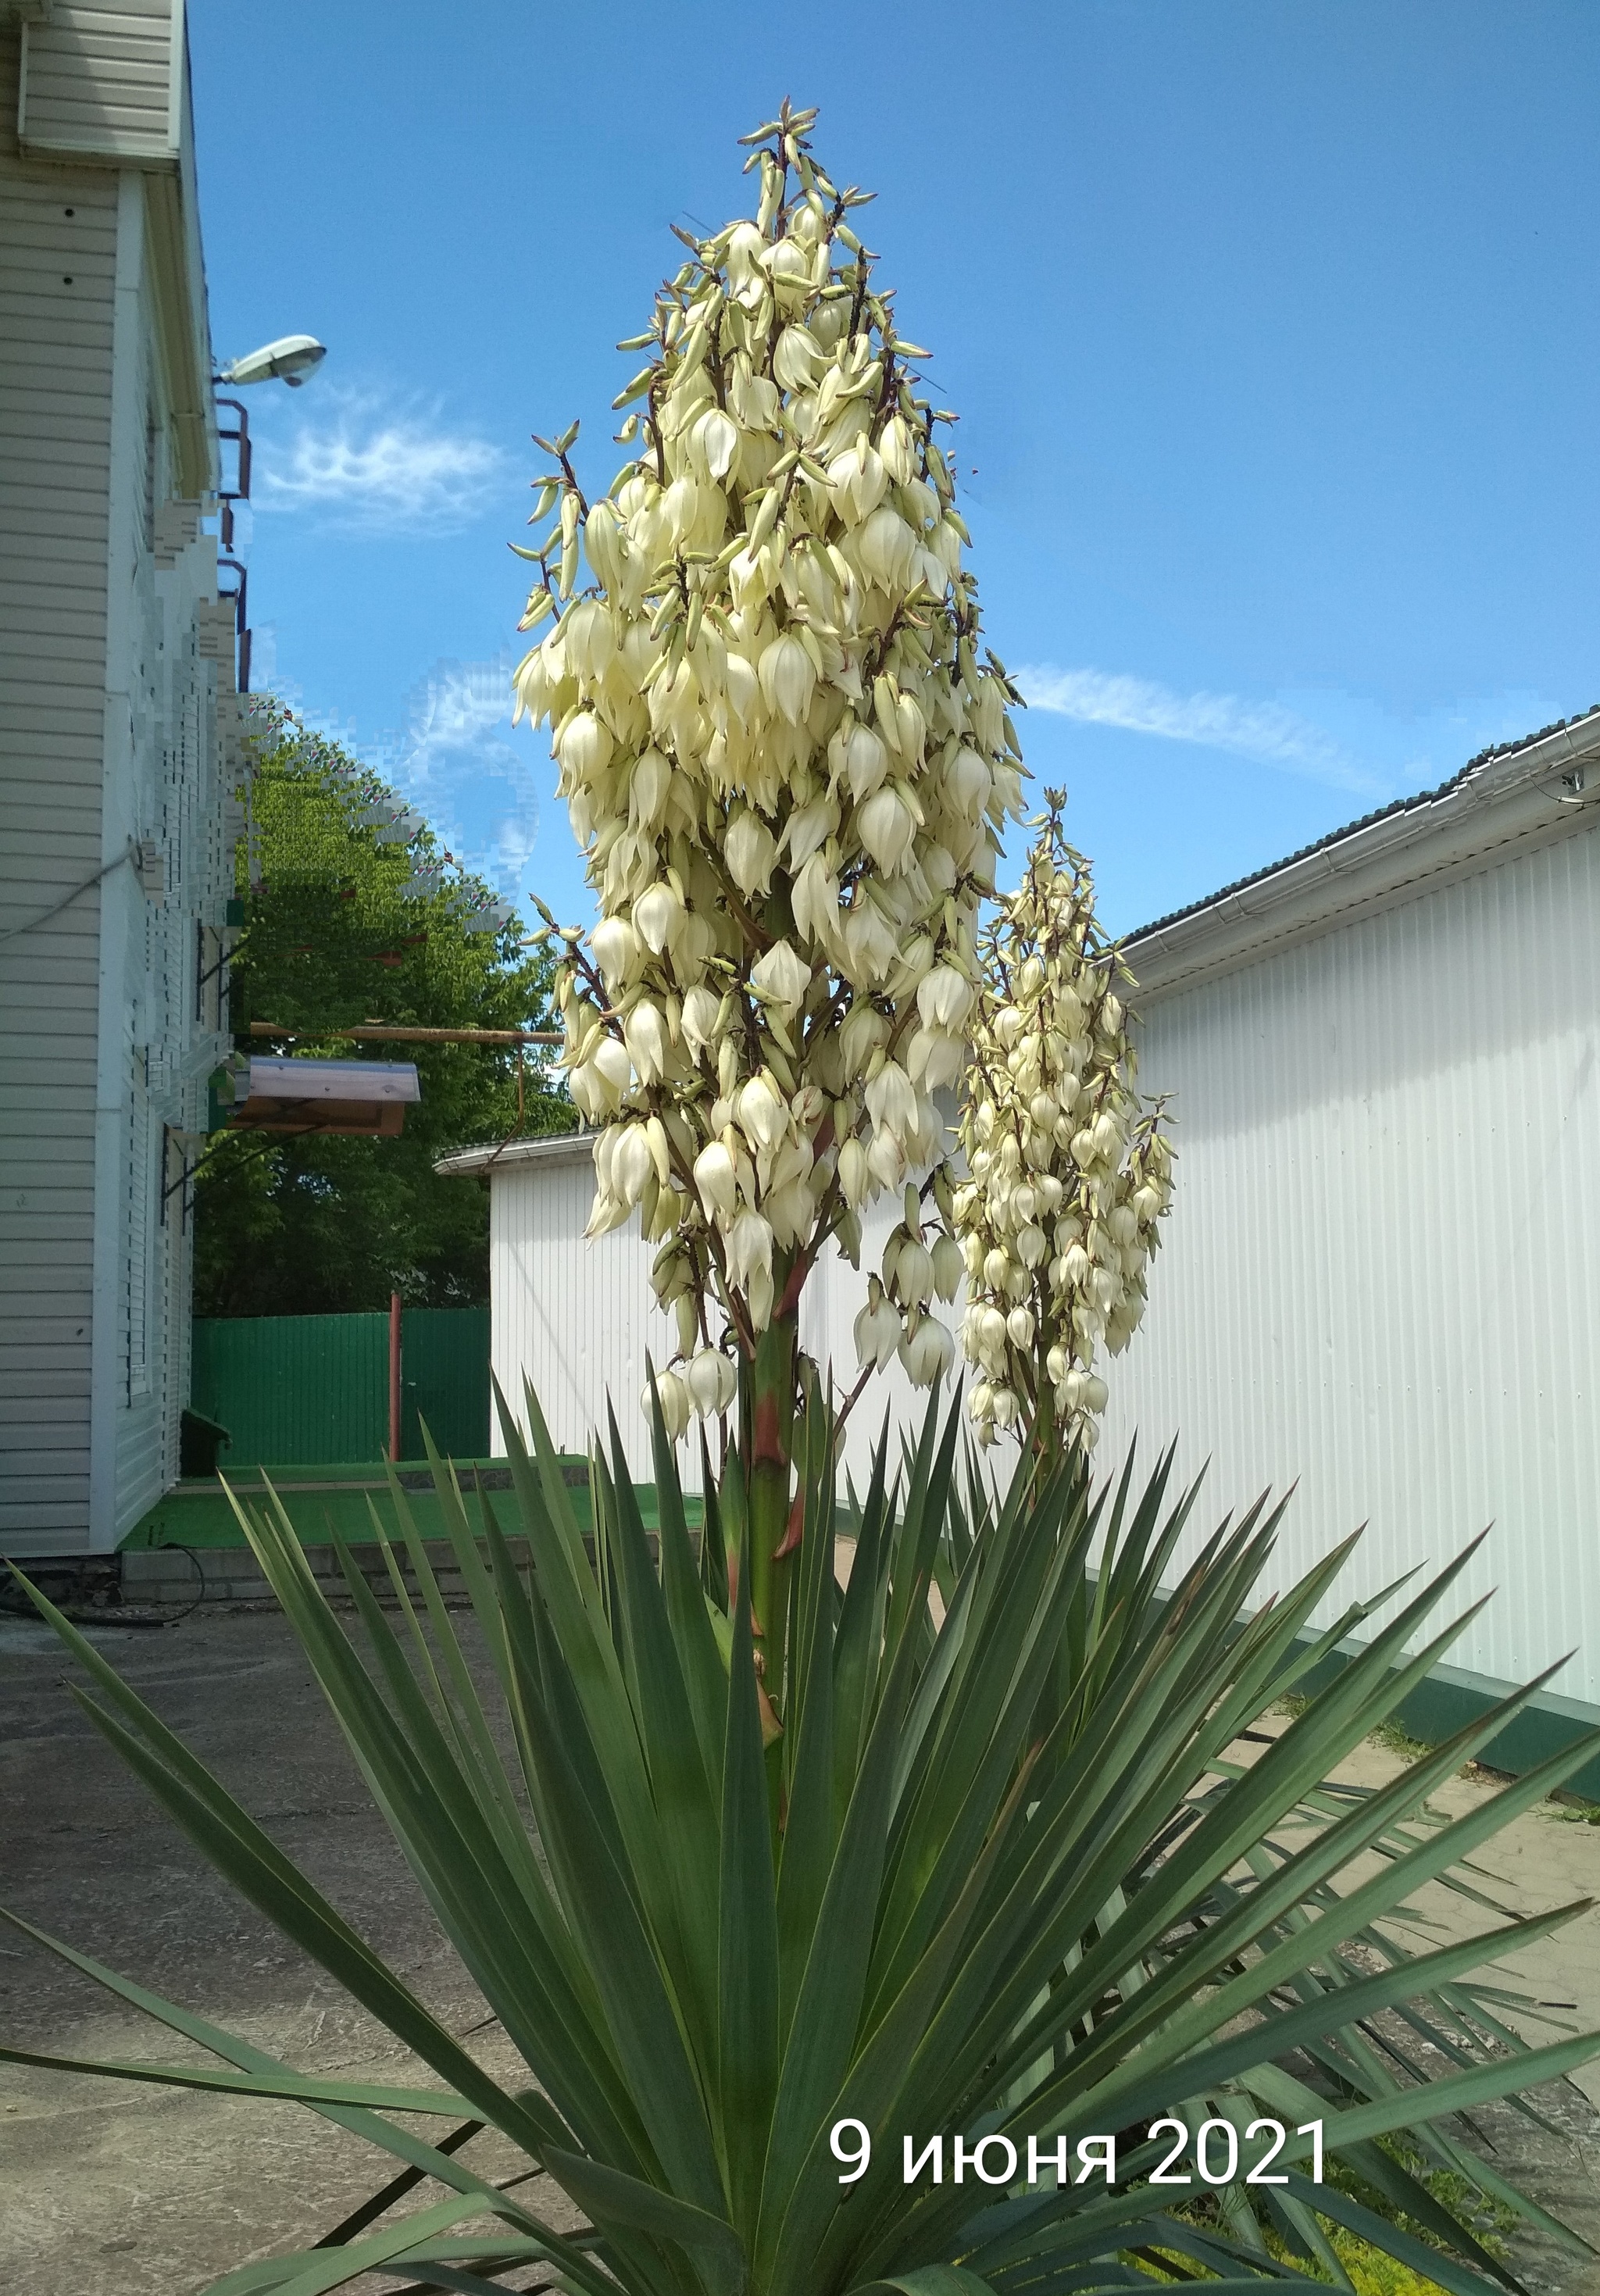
(1527,793)
(499,1155)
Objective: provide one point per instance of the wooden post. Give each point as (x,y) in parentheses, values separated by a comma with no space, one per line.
(394,1375)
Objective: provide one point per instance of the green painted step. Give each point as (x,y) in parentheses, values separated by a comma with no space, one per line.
(324,1500)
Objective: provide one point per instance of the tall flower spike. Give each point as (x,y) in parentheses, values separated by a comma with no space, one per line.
(1070,1173)
(789,763)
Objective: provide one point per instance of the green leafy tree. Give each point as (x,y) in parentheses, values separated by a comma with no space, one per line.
(344,928)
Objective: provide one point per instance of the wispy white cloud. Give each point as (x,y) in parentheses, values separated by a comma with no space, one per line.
(454,764)
(376,469)
(1260,730)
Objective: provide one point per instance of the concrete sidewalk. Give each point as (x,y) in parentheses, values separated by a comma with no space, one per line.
(116,2189)
(112,2189)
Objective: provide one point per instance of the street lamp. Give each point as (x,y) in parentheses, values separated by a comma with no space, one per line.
(290,359)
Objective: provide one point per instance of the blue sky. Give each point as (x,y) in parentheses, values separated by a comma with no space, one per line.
(1272,324)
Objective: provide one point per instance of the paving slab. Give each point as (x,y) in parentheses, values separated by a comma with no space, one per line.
(111,2189)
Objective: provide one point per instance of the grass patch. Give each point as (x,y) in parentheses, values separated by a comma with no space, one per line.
(1390,1735)
(1371,2271)
(1394,1740)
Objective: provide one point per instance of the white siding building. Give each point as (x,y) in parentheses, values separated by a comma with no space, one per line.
(578,1319)
(119,750)
(1380,1279)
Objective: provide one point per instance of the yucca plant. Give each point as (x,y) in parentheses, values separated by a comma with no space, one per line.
(1003,1875)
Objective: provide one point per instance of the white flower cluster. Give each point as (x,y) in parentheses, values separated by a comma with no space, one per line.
(787,766)
(1070,1172)
(897,1318)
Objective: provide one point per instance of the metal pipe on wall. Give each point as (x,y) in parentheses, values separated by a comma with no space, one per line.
(394,1375)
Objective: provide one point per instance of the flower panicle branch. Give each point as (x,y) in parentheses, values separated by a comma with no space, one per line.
(1070,1173)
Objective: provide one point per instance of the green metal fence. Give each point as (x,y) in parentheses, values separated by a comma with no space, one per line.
(299,1389)
(443,1378)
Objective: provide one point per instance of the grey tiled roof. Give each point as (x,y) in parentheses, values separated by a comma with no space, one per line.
(1350,828)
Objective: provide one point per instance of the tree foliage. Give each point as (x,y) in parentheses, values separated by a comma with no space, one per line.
(342,928)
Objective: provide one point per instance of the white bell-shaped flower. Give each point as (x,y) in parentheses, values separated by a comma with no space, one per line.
(675,1401)
(877,1328)
(716,1175)
(927,1353)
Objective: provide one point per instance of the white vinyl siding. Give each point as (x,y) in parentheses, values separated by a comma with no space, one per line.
(139,1242)
(55,368)
(101,79)
(108,733)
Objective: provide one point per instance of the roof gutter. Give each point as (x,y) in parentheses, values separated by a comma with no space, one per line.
(1526,798)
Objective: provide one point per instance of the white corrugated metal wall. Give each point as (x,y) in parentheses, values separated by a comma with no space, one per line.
(578,1318)
(1381,1276)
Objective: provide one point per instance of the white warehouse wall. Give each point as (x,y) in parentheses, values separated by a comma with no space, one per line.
(1380,1283)
(578,1318)
(1381,1276)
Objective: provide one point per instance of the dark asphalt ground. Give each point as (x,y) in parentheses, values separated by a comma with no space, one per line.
(108,2188)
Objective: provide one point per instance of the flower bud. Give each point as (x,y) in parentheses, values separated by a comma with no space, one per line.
(848,1236)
